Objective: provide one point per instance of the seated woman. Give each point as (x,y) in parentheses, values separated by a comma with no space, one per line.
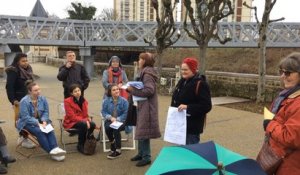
(34,114)
(5,157)
(76,108)
(114,108)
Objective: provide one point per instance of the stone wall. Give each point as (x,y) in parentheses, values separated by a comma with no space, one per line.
(221,83)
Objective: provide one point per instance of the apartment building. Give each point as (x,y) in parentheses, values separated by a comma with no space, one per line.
(142,10)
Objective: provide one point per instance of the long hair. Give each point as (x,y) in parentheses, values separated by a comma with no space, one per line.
(17,59)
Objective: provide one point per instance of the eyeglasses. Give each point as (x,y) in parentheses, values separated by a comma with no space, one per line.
(285,72)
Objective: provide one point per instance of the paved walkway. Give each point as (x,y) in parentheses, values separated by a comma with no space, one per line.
(237,130)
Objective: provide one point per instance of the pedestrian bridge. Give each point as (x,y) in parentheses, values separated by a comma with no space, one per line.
(58,32)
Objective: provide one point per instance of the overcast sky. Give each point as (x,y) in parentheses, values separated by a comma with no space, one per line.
(283,8)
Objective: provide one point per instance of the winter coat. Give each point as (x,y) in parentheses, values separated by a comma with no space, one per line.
(198,104)
(74,113)
(15,85)
(76,74)
(147,125)
(285,134)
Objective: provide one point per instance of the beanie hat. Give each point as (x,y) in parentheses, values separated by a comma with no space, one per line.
(114,58)
(192,64)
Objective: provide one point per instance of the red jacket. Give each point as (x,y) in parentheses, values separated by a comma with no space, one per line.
(285,134)
(73,112)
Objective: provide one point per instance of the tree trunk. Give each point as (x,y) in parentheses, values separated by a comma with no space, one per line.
(159,63)
(261,89)
(202,55)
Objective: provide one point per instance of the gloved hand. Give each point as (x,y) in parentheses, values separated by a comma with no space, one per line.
(265,123)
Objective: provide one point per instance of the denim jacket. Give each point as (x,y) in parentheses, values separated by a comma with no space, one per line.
(26,115)
(108,108)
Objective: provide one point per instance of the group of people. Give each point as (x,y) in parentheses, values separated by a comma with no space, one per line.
(191,93)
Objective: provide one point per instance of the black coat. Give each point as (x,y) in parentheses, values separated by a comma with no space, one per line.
(198,104)
(73,75)
(15,85)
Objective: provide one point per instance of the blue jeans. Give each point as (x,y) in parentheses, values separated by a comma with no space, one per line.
(192,139)
(46,140)
(144,149)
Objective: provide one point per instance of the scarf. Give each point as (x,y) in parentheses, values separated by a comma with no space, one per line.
(112,74)
(26,73)
(79,102)
(282,96)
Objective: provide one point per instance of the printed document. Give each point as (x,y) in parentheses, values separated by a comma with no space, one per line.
(175,131)
(116,125)
(47,129)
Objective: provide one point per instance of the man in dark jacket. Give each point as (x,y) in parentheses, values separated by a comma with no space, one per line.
(73,73)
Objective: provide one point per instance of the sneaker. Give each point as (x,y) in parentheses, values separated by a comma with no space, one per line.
(114,155)
(26,143)
(58,158)
(57,151)
(3,170)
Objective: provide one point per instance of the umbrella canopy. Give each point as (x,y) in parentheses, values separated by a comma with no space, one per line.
(205,158)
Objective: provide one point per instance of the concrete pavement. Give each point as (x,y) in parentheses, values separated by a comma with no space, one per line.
(237,130)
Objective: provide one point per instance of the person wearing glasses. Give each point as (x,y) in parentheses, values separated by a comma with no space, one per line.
(284,128)
(192,94)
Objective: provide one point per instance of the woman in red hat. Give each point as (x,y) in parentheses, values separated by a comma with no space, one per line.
(192,94)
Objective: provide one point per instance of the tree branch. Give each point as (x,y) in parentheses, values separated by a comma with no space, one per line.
(255,11)
(276,20)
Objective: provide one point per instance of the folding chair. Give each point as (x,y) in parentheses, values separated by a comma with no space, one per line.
(26,135)
(61,112)
(130,136)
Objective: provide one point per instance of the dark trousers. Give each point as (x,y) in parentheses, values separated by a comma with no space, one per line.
(2,138)
(192,139)
(114,134)
(67,92)
(83,131)
(144,150)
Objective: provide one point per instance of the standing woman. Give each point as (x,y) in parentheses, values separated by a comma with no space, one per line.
(114,108)
(34,114)
(193,95)
(147,125)
(76,108)
(114,74)
(17,74)
(284,128)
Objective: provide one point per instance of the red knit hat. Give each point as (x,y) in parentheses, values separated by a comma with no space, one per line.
(192,63)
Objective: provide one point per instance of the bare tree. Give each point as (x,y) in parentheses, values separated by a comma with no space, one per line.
(205,26)
(263,28)
(108,14)
(165,29)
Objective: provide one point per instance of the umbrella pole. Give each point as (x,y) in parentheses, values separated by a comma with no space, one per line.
(221,168)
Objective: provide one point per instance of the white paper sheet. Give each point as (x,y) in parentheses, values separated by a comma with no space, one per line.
(116,125)
(175,131)
(47,129)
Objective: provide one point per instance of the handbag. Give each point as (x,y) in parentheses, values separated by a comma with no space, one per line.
(89,147)
(267,158)
(131,113)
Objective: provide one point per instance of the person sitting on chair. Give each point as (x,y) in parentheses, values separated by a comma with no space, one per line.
(77,117)
(34,115)
(114,108)
(5,157)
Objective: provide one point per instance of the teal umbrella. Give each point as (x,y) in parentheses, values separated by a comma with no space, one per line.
(205,158)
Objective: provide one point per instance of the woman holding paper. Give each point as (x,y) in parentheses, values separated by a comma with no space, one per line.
(34,116)
(284,128)
(192,94)
(147,124)
(77,117)
(114,110)
(115,74)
